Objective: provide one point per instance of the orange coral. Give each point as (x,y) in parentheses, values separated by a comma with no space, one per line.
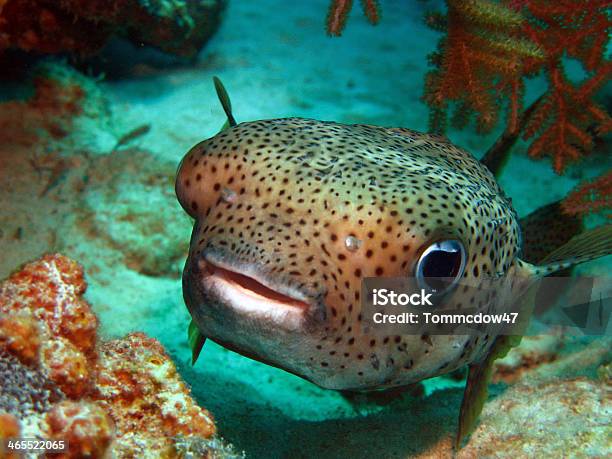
(9,428)
(50,289)
(85,427)
(139,386)
(561,125)
(59,97)
(492,47)
(123,397)
(590,197)
(66,366)
(19,334)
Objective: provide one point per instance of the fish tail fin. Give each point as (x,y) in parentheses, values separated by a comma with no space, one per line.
(225,102)
(196,341)
(591,244)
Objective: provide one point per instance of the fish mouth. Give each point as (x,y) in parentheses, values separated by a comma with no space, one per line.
(248,291)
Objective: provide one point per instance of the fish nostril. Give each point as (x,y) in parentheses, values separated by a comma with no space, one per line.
(200,267)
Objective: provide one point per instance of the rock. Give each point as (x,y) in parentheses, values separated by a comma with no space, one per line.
(79,193)
(83,27)
(569,418)
(129,203)
(533,351)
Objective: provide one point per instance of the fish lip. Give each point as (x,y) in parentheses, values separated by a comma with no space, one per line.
(306,307)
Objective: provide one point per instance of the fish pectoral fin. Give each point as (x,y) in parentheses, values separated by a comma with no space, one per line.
(225,103)
(546,229)
(476,388)
(196,341)
(584,247)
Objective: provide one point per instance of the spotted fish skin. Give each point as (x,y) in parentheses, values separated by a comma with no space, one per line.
(309,208)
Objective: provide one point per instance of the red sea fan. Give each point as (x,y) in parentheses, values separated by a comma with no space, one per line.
(340,9)
(481,58)
(590,197)
(492,47)
(564,126)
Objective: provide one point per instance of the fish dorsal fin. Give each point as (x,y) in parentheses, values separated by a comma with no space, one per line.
(196,341)
(497,156)
(587,246)
(225,102)
(546,229)
(476,387)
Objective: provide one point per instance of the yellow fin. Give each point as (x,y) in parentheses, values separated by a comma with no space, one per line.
(225,102)
(476,387)
(479,373)
(196,341)
(584,247)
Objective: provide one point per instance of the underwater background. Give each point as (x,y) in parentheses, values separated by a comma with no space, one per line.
(89,148)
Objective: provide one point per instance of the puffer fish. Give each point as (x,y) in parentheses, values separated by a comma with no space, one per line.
(292,214)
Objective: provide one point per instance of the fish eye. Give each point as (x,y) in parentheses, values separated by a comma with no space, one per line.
(440,266)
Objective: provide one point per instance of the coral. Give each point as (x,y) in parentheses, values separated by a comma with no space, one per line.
(66,366)
(62,114)
(51,290)
(83,27)
(123,397)
(491,48)
(590,197)
(213,447)
(33,25)
(139,386)
(340,9)
(84,426)
(20,335)
(26,391)
(9,428)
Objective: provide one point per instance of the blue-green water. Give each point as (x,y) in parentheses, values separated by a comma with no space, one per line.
(118,216)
